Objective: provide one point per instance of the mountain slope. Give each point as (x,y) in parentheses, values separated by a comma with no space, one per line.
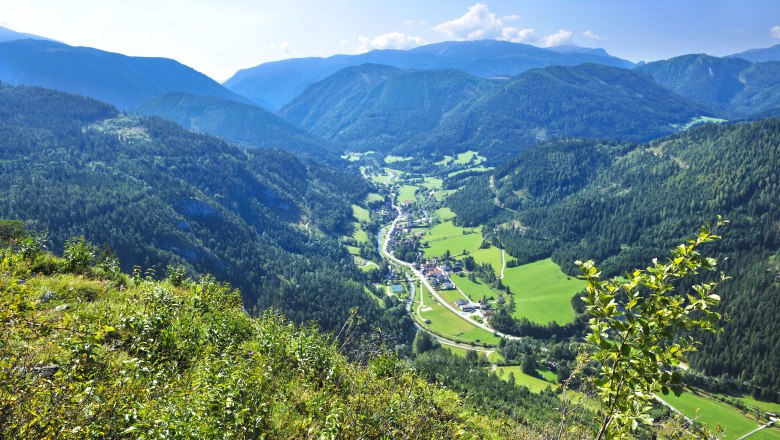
(582,101)
(277,83)
(117,79)
(726,85)
(11,35)
(158,194)
(379,107)
(771,53)
(124,356)
(242,124)
(621,204)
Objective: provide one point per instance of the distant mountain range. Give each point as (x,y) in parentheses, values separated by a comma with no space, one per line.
(275,84)
(380,107)
(242,124)
(11,35)
(373,107)
(771,53)
(118,79)
(731,86)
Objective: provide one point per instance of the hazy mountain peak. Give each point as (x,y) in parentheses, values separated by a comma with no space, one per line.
(11,35)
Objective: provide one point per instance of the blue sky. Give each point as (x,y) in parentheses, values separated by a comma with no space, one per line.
(220,37)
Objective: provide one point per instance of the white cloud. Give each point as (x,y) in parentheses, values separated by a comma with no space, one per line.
(392,40)
(561,37)
(775,32)
(480,24)
(592,35)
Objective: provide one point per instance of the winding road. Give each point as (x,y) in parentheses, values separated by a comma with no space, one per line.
(424,281)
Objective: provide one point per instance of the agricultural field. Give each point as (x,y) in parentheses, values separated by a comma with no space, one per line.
(469,157)
(406,193)
(534,384)
(374,197)
(360,213)
(443,194)
(450,295)
(711,412)
(444,214)
(477,168)
(451,326)
(474,290)
(542,292)
(444,162)
(386,177)
(446,236)
(432,183)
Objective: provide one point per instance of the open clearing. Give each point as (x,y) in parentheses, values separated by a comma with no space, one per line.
(468,157)
(360,213)
(451,326)
(534,384)
(444,214)
(542,292)
(448,237)
(474,290)
(406,193)
(712,412)
(394,159)
(374,197)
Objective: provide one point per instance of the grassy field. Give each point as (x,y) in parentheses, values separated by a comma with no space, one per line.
(763,406)
(468,157)
(406,193)
(450,295)
(534,384)
(474,290)
(477,168)
(444,162)
(444,214)
(766,434)
(360,213)
(394,159)
(711,412)
(360,235)
(451,326)
(443,194)
(446,236)
(491,255)
(432,183)
(542,292)
(374,197)
(353,250)
(386,177)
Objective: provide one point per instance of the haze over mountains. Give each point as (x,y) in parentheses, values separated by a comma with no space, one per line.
(277,83)
(118,79)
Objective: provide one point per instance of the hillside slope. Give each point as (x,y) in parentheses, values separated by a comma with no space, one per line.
(125,357)
(242,124)
(582,101)
(731,86)
(373,107)
(159,195)
(619,204)
(117,79)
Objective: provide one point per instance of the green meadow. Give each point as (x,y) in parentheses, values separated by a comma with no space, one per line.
(712,412)
(447,324)
(542,292)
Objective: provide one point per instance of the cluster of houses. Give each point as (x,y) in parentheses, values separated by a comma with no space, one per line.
(439,274)
(466,306)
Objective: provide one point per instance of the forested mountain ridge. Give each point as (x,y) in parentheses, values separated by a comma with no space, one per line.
(158,195)
(761,55)
(629,202)
(374,107)
(731,86)
(588,100)
(115,78)
(242,124)
(276,83)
